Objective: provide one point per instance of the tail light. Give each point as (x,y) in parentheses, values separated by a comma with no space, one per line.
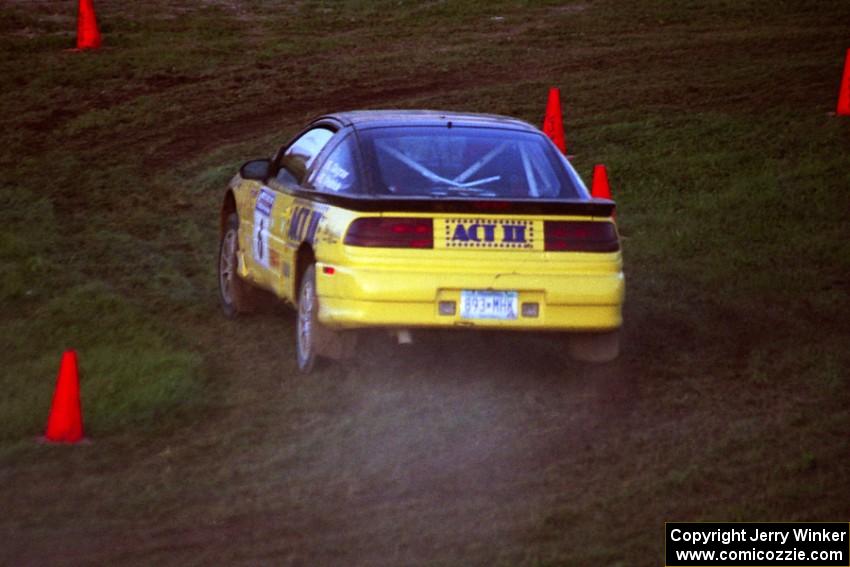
(580,236)
(385,232)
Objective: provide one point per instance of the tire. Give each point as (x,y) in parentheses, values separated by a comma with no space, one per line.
(313,340)
(594,347)
(237,297)
(307,322)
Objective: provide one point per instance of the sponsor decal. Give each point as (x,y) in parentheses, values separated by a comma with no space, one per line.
(303,224)
(262,226)
(479,233)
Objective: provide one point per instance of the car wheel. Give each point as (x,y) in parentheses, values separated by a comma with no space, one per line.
(237,296)
(307,322)
(594,347)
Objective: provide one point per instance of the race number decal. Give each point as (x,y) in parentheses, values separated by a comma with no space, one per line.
(262,226)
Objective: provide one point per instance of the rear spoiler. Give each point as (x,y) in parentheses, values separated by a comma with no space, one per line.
(575,207)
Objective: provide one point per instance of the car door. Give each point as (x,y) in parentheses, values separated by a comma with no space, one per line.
(273,252)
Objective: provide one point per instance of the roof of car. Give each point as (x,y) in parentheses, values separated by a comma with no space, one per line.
(368,118)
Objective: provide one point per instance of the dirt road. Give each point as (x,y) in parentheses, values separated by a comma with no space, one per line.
(460,445)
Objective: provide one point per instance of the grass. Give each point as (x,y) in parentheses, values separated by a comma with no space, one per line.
(729,402)
(132,372)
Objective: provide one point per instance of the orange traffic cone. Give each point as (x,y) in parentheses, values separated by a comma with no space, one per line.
(553,122)
(844,91)
(88,36)
(600,188)
(65,423)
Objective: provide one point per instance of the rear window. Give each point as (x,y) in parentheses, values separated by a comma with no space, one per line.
(438,161)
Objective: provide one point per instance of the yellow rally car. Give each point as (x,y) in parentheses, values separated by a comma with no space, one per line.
(421,219)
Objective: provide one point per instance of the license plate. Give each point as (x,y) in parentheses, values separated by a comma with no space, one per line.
(488,304)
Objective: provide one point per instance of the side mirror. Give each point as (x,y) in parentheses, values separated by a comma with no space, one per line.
(257,169)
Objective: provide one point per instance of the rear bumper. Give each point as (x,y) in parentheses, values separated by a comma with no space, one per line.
(381,297)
